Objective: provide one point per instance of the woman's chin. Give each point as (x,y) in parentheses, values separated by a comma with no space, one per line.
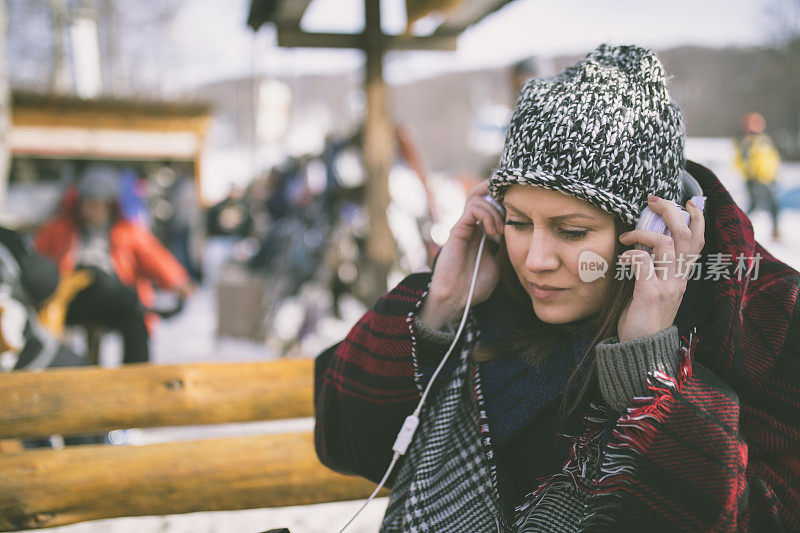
(552,313)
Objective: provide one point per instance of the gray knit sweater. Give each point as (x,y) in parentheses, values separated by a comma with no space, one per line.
(622,367)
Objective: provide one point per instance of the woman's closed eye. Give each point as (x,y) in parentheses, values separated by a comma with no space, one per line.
(518,224)
(573,234)
(568,234)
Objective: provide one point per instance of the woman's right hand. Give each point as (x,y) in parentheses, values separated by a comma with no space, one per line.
(447,295)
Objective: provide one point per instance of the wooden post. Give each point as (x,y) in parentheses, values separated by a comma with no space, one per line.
(85,400)
(379,148)
(5,109)
(57,487)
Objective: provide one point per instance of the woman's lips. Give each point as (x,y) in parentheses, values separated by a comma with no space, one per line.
(544,294)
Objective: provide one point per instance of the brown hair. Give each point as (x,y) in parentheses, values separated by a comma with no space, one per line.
(535,342)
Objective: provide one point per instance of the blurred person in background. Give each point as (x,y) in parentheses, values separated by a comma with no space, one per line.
(231,216)
(521,72)
(123,258)
(29,284)
(133,197)
(758,161)
(32,307)
(186,223)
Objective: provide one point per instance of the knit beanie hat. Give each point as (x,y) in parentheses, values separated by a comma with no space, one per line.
(604,130)
(99,182)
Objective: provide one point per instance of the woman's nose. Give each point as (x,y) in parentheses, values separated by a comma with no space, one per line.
(541,253)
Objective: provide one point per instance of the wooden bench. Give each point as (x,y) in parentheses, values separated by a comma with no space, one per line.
(44,488)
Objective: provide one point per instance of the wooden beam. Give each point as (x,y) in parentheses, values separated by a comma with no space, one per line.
(85,400)
(57,487)
(291,11)
(107,119)
(294,38)
(441,42)
(468,12)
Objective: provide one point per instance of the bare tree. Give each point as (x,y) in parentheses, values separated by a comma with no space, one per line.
(136,48)
(783,18)
(60,79)
(29,44)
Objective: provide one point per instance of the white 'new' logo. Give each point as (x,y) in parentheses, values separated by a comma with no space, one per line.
(591,266)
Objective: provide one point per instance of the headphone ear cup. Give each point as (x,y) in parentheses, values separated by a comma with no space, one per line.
(688,187)
(650,221)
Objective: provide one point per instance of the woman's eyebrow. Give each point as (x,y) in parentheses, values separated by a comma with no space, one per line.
(555,218)
(572,215)
(509,206)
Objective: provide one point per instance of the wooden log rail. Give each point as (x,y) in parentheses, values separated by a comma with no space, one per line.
(45,488)
(71,401)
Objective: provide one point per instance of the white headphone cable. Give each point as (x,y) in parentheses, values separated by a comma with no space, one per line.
(403,440)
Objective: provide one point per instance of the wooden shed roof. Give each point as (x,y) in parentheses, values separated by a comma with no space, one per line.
(457,16)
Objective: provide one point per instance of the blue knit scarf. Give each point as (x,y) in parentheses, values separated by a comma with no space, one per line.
(515,391)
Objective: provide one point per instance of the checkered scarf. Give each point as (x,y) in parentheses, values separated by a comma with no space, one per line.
(447,481)
(444,480)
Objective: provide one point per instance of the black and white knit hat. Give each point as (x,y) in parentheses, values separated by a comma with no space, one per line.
(604,130)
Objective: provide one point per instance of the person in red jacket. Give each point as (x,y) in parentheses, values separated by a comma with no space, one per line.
(124,258)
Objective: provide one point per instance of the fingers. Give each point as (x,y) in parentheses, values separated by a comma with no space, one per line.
(679,230)
(640,261)
(479,190)
(697,225)
(684,242)
(480,211)
(663,253)
(488,216)
(663,246)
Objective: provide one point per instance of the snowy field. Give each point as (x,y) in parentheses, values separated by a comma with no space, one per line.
(190,337)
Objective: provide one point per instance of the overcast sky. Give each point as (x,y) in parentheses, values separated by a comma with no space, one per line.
(521,29)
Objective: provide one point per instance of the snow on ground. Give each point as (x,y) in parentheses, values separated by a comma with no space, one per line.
(190,337)
(321,518)
(717,154)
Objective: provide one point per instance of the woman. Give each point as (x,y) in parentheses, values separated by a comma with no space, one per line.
(667,399)
(123,258)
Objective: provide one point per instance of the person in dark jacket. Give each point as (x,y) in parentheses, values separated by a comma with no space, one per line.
(660,395)
(27,282)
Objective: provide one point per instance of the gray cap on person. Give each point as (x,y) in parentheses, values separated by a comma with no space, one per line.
(99,182)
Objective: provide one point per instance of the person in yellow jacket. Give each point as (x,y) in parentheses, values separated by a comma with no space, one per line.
(758,161)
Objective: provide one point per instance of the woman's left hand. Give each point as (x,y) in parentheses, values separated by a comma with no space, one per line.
(658,291)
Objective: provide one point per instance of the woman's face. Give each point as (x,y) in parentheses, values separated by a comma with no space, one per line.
(95,214)
(546,233)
